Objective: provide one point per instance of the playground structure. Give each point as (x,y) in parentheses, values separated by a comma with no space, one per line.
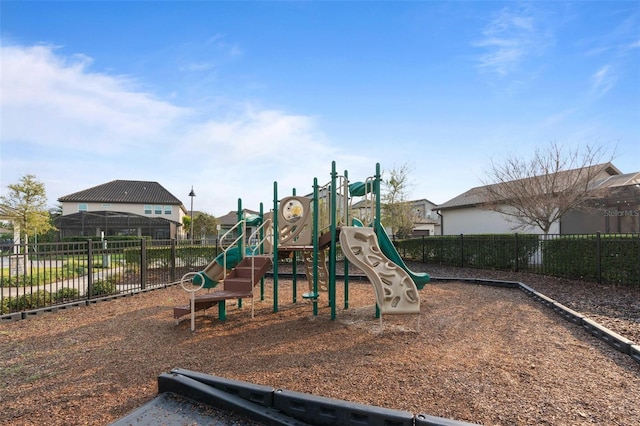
(313,226)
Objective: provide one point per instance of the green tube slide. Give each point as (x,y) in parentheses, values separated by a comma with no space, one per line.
(214,271)
(360,189)
(389,250)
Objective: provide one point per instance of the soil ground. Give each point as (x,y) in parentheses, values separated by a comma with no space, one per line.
(480,354)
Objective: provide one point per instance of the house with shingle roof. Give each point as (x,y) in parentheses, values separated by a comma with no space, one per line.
(425,218)
(615,209)
(122,207)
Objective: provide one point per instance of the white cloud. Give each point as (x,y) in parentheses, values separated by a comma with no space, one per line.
(50,100)
(219,43)
(75,128)
(559,118)
(602,81)
(198,66)
(509,39)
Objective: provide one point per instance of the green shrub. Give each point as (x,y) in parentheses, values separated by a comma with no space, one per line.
(40,299)
(65,293)
(577,257)
(487,251)
(105,287)
(190,255)
(8,281)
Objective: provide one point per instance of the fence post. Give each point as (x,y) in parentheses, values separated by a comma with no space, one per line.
(598,258)
(424,259)
(637,281)
(172,273)
(517,254)
(461,250)
(143,264)
(90,290)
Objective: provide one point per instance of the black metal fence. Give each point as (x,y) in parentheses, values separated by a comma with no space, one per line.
(604,258)
(57,275)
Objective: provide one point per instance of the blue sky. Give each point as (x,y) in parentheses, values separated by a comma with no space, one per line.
(231,97)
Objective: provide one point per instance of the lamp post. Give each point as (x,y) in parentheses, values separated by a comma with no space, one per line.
(191,194)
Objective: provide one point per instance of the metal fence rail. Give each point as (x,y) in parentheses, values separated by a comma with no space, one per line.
(604,258)
(60,274)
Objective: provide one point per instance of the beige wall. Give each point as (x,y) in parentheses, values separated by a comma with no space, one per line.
(72,207)
(422,208)
(472,220)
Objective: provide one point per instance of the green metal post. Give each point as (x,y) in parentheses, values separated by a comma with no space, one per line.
(261,236)
(241,242)
(376,192)
(346,261)
(315,245)
(376,220)
(332,249)
(294,268)
(241,230)
(222,310)
(276,237)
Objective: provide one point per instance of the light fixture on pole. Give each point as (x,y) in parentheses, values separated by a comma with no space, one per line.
(191,194)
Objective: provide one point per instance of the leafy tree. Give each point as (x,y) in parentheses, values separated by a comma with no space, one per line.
(186,224)
(25,204)
(204,225)
(397,211)
(52,234)
(538,191)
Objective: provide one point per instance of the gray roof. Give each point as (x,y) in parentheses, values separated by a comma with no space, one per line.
(124,191)
(472,197)
(231,218)
(619,180)
(477,195)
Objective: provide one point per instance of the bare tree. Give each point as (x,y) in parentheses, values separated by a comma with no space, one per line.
(397,210)
(540,190)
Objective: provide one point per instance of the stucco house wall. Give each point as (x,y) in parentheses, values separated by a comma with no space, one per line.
(464,214)
(472,220)
(176,214)
(123,207)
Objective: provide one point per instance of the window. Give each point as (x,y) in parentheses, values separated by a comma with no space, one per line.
(83,207)
(157,209)
(167,209)
(147,209)
(106,204)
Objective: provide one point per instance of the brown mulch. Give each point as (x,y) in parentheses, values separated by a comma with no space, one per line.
(481,354)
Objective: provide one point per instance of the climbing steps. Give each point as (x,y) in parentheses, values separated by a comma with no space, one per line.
(238,284)
(322,272)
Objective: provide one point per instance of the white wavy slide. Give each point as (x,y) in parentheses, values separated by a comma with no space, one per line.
(395,291)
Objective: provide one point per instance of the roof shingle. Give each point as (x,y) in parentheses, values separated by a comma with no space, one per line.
(477,195)
(124,191)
